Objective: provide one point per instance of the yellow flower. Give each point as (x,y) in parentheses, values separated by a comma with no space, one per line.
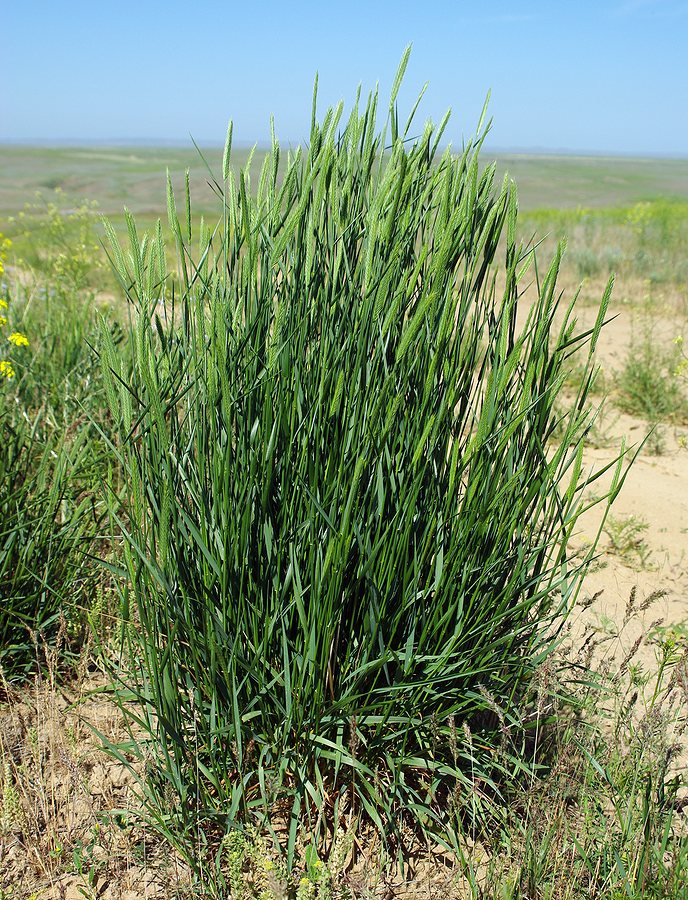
(6,370)
(3,321)
(18,339)
(3,304)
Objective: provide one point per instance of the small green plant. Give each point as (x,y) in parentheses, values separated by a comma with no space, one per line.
(672,640)
(249,870)
(648,386)
(626,538)
(315,883)
(85,860)
(11,815)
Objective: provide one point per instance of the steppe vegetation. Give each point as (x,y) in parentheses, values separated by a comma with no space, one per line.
(297,598)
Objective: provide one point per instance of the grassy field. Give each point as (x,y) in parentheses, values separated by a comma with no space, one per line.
(292,517)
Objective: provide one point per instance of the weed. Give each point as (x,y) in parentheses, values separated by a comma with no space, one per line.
(655,442)
(626,538)
(648,385)
(57,241)
(10,805)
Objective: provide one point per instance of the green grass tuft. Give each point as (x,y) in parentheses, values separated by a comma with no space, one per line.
(347,521)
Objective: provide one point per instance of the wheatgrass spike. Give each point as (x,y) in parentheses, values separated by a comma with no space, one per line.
(399,77)
(187,198)
(439,131)
(227,152)
(314,107)
(134,250)
(119,263)
(479,129)
(599,321)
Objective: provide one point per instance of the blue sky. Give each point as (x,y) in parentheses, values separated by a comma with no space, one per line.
(609,77)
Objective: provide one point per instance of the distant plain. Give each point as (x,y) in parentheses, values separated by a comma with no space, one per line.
(135,177)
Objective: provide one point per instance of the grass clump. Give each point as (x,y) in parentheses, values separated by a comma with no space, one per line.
(347,521)
(52,462)
(43,532)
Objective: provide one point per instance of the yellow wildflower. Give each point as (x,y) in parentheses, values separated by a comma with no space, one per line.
(3,304)
(3,321)
(18,339)
(6,369)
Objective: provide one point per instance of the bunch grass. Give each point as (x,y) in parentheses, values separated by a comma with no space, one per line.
(350,493)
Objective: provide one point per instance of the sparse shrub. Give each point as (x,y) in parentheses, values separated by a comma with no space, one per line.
(656,440)
(348,519)
(590,261)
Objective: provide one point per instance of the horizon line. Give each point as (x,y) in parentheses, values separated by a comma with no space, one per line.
(181,144)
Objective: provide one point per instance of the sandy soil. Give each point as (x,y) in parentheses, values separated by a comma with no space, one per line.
(644,542)
(59,791)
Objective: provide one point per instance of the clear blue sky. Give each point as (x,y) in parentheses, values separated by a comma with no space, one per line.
(607,76)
